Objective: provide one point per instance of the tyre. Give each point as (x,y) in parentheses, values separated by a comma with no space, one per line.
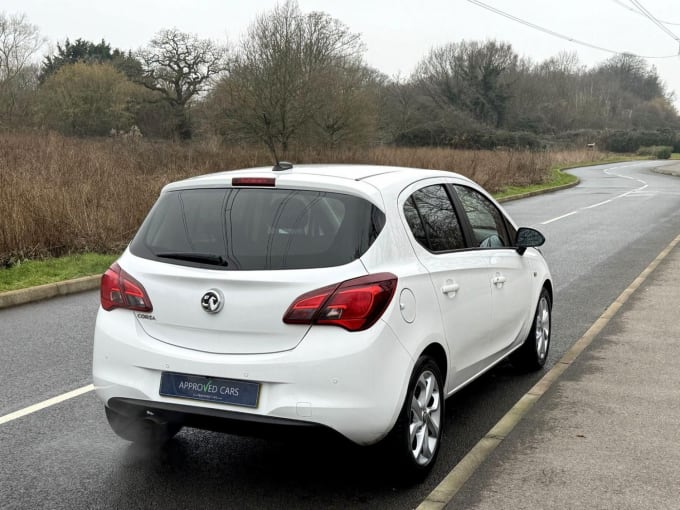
(416,437)
(142,429)
(534,351)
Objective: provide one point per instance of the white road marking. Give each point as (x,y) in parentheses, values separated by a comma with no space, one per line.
(559,217)
(608,171)
(598,205)
(45,403)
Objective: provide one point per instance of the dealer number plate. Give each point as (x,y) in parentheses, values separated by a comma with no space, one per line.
(210,389)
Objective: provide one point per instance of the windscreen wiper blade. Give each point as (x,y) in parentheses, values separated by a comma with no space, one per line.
(202,258)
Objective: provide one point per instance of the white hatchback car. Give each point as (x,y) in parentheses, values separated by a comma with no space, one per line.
(355,298)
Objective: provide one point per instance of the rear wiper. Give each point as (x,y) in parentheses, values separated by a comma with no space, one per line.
(202,258)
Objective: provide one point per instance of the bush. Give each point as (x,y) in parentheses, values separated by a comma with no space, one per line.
(663,152)
(631,141)
(87,100)
(658,152)
(494,139)
(468,139)
(645,151)
(427,136)
(578,138)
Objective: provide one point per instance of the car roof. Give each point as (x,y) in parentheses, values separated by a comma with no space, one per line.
(317,173)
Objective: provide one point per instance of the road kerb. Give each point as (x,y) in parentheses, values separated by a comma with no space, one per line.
(536,193)
(452,483)
(50,290)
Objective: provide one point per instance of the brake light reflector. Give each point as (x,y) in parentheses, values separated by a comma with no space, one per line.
(354,304)
(253,181)
(120,290)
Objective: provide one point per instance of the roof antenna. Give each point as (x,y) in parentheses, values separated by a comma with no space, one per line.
(282,165)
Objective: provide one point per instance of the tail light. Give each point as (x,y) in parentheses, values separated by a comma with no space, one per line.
(353,304)
(120,290)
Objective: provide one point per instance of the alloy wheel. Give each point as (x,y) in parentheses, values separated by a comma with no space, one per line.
(542,328)
(425,421)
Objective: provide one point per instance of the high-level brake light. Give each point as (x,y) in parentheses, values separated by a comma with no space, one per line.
(253,181)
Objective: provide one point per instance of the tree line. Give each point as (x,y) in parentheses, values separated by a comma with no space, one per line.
(300,79)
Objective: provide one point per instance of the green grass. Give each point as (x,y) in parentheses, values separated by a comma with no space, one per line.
(31,273)
(558,178)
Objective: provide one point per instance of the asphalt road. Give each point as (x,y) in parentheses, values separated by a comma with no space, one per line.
(600,236)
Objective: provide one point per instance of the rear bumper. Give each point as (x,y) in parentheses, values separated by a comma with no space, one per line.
(219,420)
(352,383)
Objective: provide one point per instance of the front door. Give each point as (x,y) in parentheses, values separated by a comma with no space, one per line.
(509,273)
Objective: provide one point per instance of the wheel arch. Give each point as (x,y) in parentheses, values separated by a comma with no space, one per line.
(547,285)
(438,354)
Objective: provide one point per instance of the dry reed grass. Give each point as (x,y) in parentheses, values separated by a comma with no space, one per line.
(66,195)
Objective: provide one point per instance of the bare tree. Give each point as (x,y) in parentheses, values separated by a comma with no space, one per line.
(180,66)
(401,109)
(349,113)
(279,81)
(470,76)
(19,42)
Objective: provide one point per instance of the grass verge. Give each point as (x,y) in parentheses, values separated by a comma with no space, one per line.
(31,273)
(558,178)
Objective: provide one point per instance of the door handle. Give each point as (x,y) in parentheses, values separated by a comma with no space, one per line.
(499,280)
(450,289)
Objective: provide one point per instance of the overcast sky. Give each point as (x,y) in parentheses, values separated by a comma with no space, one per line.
(397,33)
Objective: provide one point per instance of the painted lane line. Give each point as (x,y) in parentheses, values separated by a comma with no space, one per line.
(608,172)
(626,194)
(631,164)
(636,190)
(598,205)
(447,489)
(560,217)
(45,403)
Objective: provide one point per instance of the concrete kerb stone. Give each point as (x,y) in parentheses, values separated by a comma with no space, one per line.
(668,170)
(50,290)
(539,192)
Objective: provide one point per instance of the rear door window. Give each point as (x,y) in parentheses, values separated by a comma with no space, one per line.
(432,219)
(258,229)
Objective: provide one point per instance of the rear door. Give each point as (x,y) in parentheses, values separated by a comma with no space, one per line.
(459,277)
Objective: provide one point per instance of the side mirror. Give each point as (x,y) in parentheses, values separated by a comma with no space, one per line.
(528,238)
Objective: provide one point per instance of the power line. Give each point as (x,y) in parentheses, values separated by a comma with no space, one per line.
(556,34)
(628,7)
(651,18)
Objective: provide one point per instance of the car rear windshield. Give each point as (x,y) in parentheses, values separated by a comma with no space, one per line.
(258,229)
